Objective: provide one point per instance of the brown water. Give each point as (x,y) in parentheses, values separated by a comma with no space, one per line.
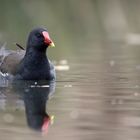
(97,97)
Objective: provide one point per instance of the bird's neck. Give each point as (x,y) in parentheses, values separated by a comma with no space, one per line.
(35,55)
(34,51)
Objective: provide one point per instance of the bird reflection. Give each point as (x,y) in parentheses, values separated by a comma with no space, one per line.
(35,96)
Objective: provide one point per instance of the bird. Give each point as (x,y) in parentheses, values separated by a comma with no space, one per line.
(35,102)
(31,63)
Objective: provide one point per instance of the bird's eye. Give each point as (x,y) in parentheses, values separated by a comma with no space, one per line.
(39,35)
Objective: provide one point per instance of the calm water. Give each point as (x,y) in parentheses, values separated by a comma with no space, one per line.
(96,97)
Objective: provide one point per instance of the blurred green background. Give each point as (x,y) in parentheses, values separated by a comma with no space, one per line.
(72,24)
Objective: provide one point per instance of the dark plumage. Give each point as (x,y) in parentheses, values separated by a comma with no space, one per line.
(33,63)
(35,101)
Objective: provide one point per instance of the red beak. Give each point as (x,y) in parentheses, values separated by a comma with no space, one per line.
(47,39)
(45,125)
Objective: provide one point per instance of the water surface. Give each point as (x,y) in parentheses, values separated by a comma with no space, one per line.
(96,96)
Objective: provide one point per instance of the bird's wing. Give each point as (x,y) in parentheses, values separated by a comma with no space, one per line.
(10,62)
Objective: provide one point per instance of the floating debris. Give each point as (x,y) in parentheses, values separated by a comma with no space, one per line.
(62,67)
(43,86)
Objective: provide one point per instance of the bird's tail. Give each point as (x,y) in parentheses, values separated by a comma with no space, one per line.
(3,52)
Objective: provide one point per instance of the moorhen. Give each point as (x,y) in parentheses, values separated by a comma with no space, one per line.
(35,97)
(32,64)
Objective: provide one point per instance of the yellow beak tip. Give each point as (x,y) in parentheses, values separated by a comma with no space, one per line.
(52,45)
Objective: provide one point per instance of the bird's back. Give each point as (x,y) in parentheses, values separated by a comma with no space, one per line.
(9,60)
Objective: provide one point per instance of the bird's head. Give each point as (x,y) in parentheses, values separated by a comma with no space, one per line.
(39,39)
